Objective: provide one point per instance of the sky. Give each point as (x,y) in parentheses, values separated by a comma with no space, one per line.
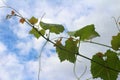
(19,50)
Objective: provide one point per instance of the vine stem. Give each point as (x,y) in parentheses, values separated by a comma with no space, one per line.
(48,40)
(71,51)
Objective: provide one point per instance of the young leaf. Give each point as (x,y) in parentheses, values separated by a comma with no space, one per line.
(54,28)
(12,13)
(36,34)
(112,61)
(116,42)
(68,51)
(22,20)
(33,20)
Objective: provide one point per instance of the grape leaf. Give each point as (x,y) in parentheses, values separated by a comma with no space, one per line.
(54,28)
(33,20)
(86,33)
(115,42)
(35,33)
(71,45)
(111,60)
(68,51)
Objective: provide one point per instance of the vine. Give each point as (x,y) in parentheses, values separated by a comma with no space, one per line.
(103,65)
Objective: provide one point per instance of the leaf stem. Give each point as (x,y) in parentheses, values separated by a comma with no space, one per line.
(98,44)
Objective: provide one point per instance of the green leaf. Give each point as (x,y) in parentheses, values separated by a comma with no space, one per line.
(35,33)
(116,42)
(86,33)
(71,46)
(42,31)
(68,51)
(110,60)
(33,20)
(54,28)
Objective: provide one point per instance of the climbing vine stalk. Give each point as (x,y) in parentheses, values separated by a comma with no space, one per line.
(70,50)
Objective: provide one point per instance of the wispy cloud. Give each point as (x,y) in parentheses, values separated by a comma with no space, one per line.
(2,48)
(72,14)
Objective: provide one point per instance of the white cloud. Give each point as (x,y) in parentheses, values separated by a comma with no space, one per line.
(24,47)
(74,15)
(3,48)
(37,43)
(20,30)
(10,68)
(53,69)
(101,16)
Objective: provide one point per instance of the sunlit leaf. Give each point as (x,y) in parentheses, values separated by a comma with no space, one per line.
(110,59)
(36,34)
(54,28)
(116,42)
(68,51)
(33,20)
(85,33)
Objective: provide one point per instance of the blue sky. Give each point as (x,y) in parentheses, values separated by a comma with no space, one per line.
(19,50)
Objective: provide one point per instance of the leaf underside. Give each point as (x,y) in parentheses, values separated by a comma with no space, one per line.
(63,53)
(53,28)
(111,60)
